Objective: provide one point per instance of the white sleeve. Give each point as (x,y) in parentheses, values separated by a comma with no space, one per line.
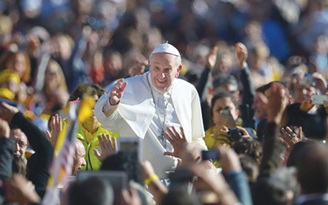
(201,143)
(111,122)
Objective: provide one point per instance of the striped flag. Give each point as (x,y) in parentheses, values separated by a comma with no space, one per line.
(62,164)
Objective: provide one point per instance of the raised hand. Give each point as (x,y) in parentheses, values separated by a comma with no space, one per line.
(244,131)
(108,146)
(154,184)
(290,138)
(228,159)
(178,142)
(277,102)
(117,92)
(211,57)
(209,179)
(242,54)
(56,126)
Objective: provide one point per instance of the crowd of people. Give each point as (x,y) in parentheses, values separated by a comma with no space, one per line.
(226,101)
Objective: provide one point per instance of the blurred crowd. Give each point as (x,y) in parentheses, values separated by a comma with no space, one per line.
(263,60)
(52,46)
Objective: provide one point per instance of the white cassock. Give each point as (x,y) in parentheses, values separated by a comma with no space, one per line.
(142,111)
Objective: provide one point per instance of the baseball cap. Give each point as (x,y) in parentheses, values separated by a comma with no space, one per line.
(166,48)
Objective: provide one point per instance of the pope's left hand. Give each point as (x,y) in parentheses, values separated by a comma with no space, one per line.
(178,142)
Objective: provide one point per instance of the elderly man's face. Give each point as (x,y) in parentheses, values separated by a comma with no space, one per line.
(79,160)
(21,142)
(163,69)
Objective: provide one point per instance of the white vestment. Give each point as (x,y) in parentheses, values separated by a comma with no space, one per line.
(135,116)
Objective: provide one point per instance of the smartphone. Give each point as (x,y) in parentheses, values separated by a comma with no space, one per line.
(130,145)
(211,154)
(319,99)
(226,119)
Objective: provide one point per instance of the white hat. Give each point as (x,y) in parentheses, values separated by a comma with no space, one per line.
(166,48)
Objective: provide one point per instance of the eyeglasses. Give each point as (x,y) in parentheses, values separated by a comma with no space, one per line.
(21,144)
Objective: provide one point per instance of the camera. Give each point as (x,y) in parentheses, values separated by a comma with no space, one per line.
(235,134)
(211,154)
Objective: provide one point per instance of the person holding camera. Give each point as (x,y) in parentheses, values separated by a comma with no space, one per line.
(146,105)
(225,117)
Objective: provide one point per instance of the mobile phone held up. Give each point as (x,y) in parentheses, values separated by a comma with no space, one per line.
(319,99)
(226,119)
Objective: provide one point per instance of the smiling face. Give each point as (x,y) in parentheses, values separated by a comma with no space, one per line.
(164,68)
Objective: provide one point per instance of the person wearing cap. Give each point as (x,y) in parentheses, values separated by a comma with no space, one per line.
(145,106)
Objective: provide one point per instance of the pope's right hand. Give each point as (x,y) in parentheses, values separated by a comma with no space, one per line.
(117,92)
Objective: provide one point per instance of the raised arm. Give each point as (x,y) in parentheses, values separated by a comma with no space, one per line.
(248,93)
(273,147)
(234,175)
(38,164)
(210,62)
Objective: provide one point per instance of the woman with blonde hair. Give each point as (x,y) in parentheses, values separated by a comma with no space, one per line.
(17,61)
(54,78)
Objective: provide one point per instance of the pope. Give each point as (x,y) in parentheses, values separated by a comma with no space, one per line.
(159,108)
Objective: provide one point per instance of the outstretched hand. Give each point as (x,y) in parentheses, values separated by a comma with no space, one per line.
(228,159)
(211,57)
(242,54)
(56,127)
(290,138)
(277,101)
(108,146)
(117,92)
(178,142)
